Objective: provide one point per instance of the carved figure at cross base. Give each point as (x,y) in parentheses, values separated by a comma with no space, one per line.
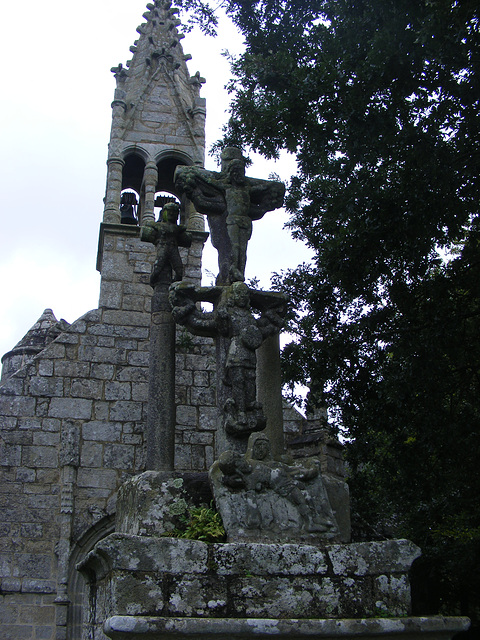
(231,201)
(167,236)
(233,318)
(263,499)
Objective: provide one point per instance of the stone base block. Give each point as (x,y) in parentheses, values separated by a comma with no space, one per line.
(151,628)
(145,577)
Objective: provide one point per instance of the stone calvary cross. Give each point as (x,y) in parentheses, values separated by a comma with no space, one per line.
(242,318)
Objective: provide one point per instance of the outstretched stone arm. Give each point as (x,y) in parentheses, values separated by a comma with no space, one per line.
(273,308)
(265,195)
(183,298)
(202,188)
(148,232)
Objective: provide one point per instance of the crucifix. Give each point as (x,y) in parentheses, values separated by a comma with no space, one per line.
(231,201)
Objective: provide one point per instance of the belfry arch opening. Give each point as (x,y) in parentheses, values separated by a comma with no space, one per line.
(166,191)
(166,170)
(147,186)
(132,181)
(132,174)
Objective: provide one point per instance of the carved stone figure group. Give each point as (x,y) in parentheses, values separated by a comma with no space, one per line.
(232,318)
(262,498)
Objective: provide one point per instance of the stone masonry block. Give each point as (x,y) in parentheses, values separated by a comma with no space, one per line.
(67,338)
(198,437)
(139,333)
(118,391)
(169,555)
(110,294)
(201,379)
(17,406)
(91,454)
(208,418)
(102,354)
(270,559)
(18,437)
(184,377)
(47,387)
(10,455)
(65,368)
(102,371)
(101,409)
(116,266)
(86,388)
(126,343)
(140,392)
(138,358)
(126,318)
(76,408)
(119,456)
(24,474)
(34,565)
(368,558)
(203,396)
(101,431)
(98,478)
(126,411)
(187,415)
(45,367)
(46,438)
(10,423)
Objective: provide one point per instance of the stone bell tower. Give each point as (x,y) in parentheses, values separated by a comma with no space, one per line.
(158,123)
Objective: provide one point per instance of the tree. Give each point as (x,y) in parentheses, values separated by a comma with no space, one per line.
(380,101)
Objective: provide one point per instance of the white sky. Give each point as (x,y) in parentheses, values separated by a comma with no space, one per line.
(55,118)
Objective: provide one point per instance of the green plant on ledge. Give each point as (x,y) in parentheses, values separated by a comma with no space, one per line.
(202,523)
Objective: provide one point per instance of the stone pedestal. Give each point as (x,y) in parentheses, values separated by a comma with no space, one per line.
(150,587)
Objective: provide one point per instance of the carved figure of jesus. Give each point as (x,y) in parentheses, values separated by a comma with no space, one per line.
(231,201)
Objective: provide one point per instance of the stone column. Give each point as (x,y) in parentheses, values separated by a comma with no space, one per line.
(150,179)
(111,213)
(193,256)
(269,391)
(160,433)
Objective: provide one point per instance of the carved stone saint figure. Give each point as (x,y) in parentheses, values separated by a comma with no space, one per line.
(233,318)
(231,201)
(263,497)
(167,236)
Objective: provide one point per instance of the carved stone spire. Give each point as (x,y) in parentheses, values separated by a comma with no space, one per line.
(158,116)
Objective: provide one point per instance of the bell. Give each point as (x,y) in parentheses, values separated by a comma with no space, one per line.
(128,204)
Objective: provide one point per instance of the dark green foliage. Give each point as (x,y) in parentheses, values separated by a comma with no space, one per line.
(202,523)
(379,99)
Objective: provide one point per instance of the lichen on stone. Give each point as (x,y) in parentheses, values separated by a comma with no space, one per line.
(178,507)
